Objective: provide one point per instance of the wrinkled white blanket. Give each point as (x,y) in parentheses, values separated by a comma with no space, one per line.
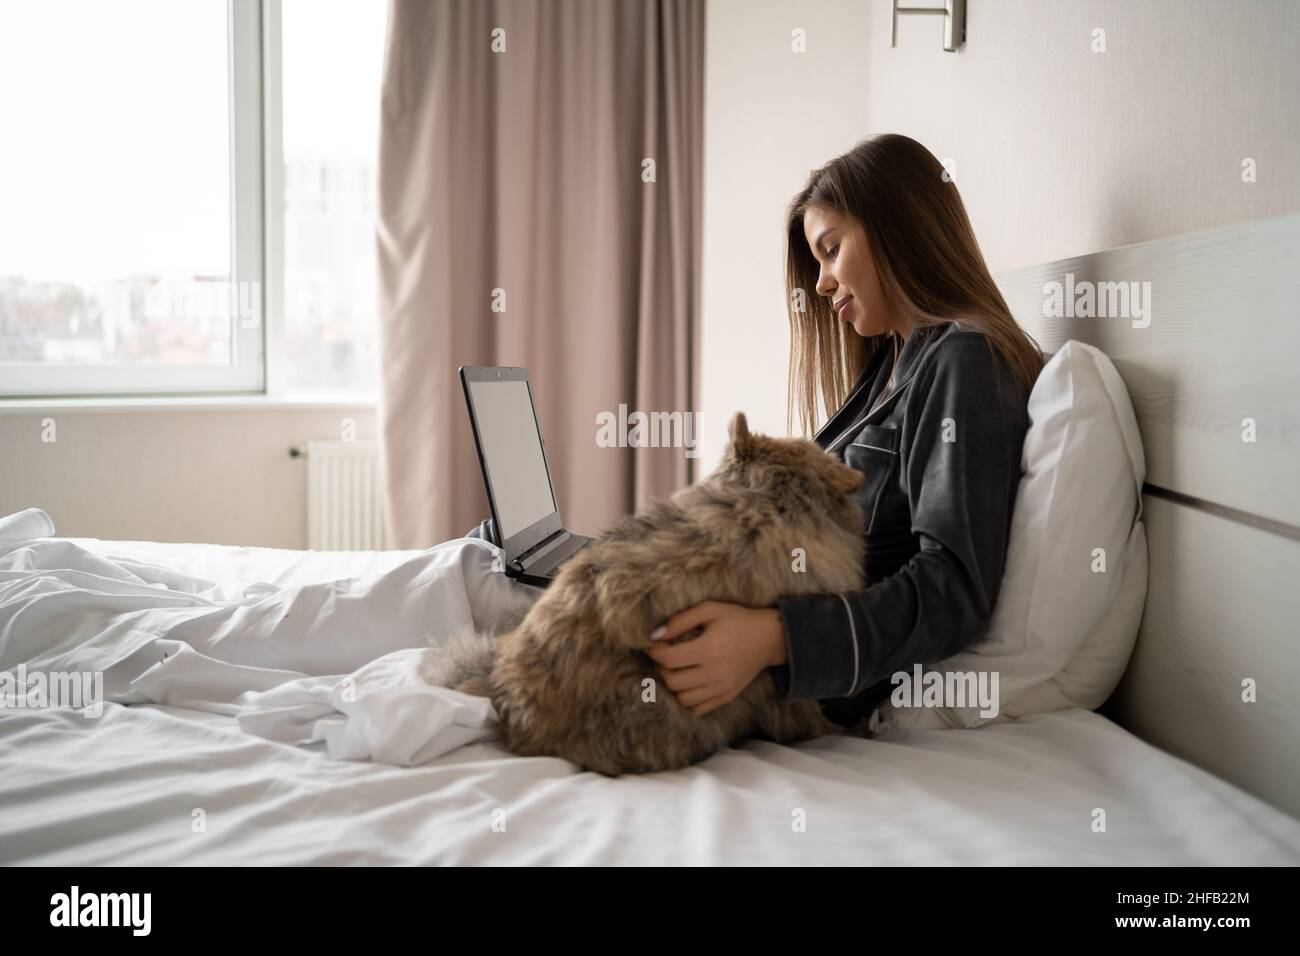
(125,788)
(335,662)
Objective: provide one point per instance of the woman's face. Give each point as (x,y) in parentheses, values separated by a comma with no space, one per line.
(848,274)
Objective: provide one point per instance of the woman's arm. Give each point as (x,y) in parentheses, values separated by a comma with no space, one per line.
(960,448)
(772,637)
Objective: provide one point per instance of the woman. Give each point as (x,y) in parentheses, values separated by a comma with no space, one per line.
(935,419)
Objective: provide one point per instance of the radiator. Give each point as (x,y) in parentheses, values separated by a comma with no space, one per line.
(345,496)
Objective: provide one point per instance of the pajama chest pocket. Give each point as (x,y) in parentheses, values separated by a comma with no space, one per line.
(874,452)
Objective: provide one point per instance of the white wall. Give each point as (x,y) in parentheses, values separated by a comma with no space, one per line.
(1059,151)
(220,475)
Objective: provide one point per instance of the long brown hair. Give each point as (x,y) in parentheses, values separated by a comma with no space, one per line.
(930,266)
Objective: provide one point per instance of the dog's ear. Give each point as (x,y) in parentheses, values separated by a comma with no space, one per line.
(740,441)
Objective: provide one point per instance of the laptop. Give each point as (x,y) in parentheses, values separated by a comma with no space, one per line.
(516,474)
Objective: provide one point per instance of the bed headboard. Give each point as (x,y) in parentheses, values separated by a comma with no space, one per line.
(1212,372)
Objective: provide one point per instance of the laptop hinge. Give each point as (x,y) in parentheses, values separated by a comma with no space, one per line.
(541,547)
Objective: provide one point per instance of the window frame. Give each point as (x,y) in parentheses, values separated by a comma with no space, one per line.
(252,142)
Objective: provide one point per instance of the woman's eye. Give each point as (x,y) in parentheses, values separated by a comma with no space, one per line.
(830,254)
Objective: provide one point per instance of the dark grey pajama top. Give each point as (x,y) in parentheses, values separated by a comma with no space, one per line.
(941,456)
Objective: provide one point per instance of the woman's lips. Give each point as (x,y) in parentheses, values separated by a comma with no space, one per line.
(839,311)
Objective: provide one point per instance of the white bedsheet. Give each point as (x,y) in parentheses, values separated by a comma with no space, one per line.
(205,759)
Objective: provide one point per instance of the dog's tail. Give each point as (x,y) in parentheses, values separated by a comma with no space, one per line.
(464,663)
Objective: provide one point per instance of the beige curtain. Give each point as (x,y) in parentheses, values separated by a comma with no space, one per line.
(522,171)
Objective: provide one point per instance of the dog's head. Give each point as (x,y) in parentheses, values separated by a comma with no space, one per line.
(766,463)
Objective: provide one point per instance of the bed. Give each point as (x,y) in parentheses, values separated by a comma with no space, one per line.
(124,788)
(1180,770)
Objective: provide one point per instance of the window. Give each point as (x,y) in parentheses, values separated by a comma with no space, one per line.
(174,173)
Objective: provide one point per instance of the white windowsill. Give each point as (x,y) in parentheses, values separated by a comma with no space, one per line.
(172,403)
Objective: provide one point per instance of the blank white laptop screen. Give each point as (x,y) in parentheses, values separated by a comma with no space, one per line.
(512,446)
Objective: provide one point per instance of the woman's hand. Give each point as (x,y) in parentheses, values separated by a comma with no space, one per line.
(736,645)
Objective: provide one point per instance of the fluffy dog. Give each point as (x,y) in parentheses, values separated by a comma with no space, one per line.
(572,679)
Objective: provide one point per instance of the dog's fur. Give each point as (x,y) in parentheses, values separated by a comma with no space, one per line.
(572,679)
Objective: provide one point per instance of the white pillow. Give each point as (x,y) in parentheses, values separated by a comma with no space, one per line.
(1062,630)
